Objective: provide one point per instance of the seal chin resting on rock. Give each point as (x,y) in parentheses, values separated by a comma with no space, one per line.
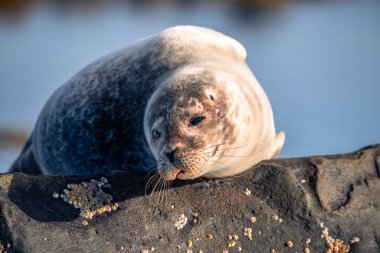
(182,101)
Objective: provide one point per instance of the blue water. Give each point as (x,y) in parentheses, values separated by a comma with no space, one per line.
(318,62)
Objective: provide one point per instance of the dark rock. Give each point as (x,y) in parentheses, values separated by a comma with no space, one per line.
(342,191)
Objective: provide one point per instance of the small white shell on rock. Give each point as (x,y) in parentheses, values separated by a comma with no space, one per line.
(181,222)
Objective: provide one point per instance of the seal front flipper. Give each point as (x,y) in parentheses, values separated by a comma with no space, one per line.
(26,161)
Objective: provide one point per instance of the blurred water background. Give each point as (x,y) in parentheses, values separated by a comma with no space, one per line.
(318,61)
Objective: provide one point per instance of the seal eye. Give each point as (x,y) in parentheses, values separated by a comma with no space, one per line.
(155,135)
(197,120)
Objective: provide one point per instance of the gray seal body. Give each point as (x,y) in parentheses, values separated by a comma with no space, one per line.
(94,123)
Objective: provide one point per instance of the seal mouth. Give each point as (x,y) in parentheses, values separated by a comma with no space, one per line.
(170,174)
(180,173)
(177,173)
(178,169)
(184,175)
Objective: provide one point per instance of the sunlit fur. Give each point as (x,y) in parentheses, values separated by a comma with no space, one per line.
(101,120)
(237,133)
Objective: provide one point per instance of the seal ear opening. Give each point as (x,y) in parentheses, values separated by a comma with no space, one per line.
(211,97)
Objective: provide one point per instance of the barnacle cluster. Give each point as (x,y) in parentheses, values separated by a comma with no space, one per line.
(181,222)
(336,245)
(89,197)
(248,233)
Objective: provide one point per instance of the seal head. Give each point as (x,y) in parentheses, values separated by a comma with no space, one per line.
(195,126)
(184,116)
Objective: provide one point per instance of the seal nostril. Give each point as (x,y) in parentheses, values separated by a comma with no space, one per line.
(170,155)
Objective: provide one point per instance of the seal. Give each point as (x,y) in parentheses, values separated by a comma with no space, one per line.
(182,101)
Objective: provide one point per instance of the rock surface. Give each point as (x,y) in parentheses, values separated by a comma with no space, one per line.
(291,200)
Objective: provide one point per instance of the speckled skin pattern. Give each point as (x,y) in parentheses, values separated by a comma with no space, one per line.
(102,119)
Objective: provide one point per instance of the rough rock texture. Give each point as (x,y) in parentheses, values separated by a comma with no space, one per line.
(342,191)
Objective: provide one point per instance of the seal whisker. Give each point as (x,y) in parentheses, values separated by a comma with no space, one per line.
(224,178)
(152,168)
(235,156)
(223,163)
(151,183)
(155,187)
(250,155)
(161,191)
(158,192)
(216,175)
(155,175)
(152,174)
(151,180)
(213,146)
(157,181)
(162,182)
(230,148)
(166,189)
(150,171)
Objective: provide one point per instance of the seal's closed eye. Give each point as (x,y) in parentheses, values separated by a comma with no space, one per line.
(197,120)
